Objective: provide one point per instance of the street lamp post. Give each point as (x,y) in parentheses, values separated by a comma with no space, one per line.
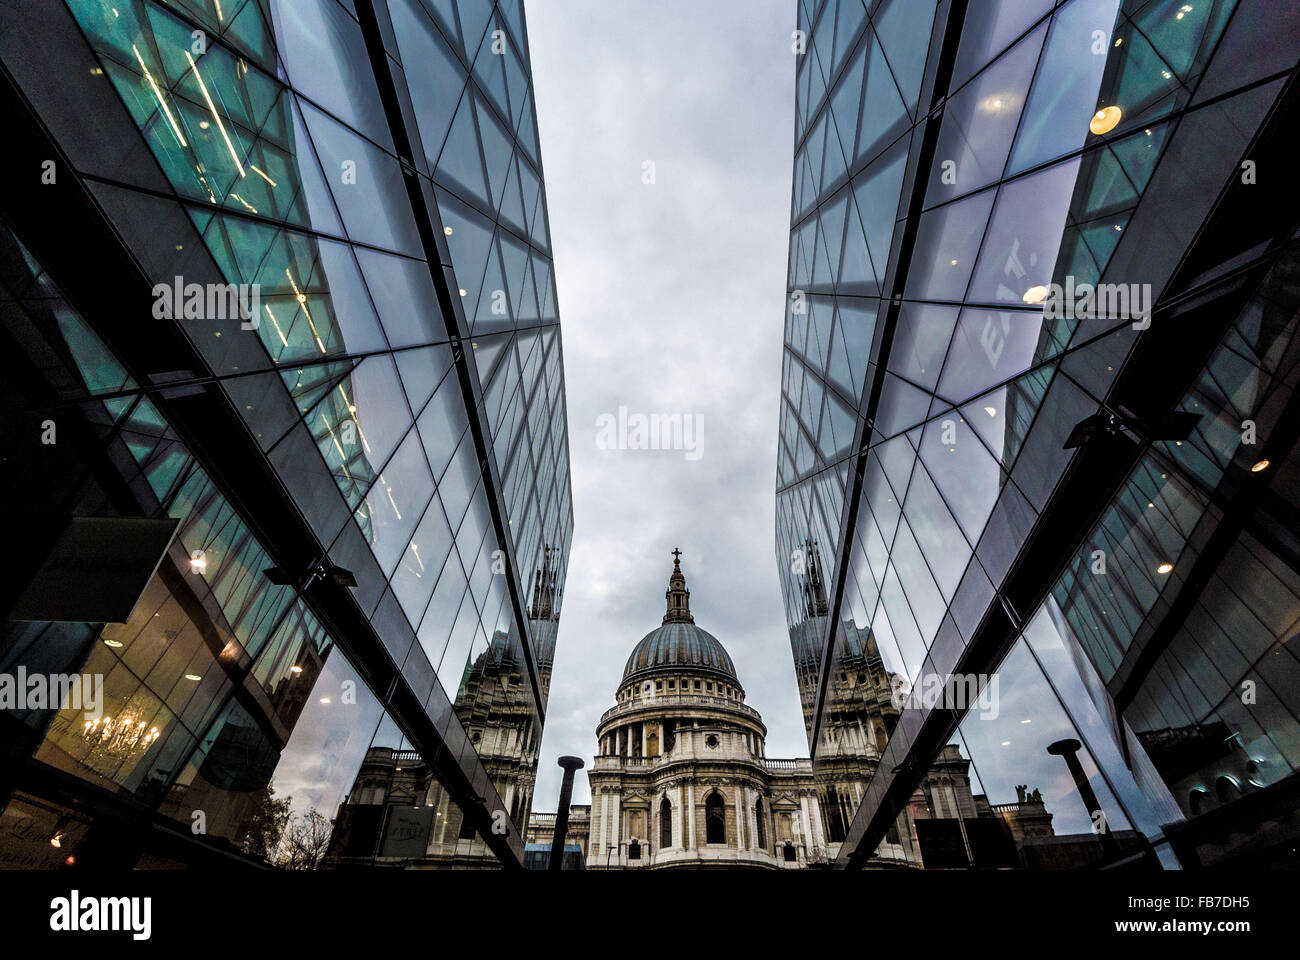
(570,764)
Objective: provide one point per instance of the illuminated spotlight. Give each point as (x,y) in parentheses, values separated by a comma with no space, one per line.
(1105,120)
(1259,467)
(1164,568)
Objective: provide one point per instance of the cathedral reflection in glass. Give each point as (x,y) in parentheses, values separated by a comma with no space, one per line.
(343,656)
(1038,427)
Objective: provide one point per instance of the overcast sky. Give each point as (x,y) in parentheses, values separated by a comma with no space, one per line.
(670,299)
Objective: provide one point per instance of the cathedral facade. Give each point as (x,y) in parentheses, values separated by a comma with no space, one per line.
(681,776)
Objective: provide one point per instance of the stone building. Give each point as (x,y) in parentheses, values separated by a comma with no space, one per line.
(681,777)
(541,828)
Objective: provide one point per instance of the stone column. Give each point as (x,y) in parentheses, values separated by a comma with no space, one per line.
(679,817)
(643,740)
(689,835)
(808,839)
(814,812)
(740,818)
(616,826)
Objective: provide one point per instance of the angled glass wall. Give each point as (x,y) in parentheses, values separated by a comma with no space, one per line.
(369,179)
(963,173)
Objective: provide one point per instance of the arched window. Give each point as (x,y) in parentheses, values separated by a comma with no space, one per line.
(665,824)
(759,820)
(715,819)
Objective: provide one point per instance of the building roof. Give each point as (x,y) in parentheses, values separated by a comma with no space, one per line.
(674,646)
(678,643)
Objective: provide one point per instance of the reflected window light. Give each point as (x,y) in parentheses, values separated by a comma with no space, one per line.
(158,95)
(215,116)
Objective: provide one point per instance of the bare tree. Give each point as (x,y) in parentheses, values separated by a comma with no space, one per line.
(305,842)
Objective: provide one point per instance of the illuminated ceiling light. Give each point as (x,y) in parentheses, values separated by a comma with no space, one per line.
(1259,467)
(1119,41)
(203,124)
(1035,294)
(1006,743)
(954,263)
(1166,74)
(198,562)
(464,292)
(1105,120)
(1164,568)
(193,677)
(57,840)
(1026,721)
(447,231)
(112,643)
(991,411)
(324,699)
(295,669)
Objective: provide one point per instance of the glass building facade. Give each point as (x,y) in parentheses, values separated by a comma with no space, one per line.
(1083,507)
(339,651)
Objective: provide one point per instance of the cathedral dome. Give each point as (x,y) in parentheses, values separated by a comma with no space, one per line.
(676,646)
(678,643)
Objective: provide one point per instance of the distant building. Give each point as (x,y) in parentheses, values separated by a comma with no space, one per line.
(681,777)
(541,830)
